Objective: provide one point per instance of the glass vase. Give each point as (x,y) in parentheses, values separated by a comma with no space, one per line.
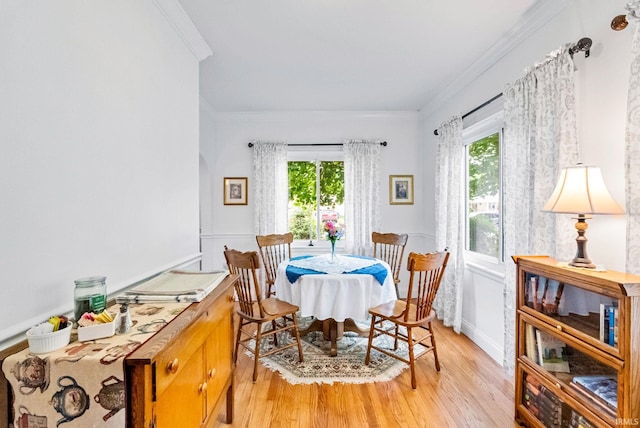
(333,251)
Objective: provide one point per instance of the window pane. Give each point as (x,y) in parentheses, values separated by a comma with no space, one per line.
(308,209)
(302,200)
(332,193)
(484,196)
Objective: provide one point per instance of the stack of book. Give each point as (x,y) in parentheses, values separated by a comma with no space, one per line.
(603,389)
(545,405)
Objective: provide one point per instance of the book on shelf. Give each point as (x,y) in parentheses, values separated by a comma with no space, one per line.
(552,352)
(612,323)
(579,421)
(531,350)
(603,389)
(609,324)
(544,404)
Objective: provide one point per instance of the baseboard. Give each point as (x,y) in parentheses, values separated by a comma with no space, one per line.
(484,342)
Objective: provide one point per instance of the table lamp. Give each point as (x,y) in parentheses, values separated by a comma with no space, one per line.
(581,191)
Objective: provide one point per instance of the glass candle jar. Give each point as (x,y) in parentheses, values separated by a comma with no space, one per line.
(89,295)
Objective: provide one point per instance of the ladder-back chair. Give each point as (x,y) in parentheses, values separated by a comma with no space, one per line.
(415,315)
(274,249)
(254,311)
(390,248)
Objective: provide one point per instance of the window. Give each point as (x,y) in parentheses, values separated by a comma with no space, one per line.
(484,187)
(316,194)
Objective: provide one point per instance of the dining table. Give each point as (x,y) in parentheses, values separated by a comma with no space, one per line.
(336,290)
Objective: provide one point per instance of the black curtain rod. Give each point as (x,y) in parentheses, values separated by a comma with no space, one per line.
(384,143)
(435,131)
(582,45)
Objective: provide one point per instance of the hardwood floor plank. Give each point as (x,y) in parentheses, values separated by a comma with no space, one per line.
(471,390)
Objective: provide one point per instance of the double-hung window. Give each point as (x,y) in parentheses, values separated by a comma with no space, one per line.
(316,194)
(484,187)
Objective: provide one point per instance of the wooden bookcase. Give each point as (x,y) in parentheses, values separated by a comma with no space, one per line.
(557,346)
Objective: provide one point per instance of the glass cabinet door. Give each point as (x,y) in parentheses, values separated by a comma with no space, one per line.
(579,370)
(593,314)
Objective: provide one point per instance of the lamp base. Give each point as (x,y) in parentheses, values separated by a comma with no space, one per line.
(581,259)
(582,263)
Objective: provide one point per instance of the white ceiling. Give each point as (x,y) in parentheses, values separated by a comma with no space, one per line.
(360,55)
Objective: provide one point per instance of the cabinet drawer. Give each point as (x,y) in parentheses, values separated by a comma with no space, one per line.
(169,363)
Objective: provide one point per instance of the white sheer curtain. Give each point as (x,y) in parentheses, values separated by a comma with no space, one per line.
(540,138)
(361,194)
(632,152)
(270,187)
(450,220)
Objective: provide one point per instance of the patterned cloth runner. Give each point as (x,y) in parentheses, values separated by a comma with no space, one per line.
(82,384)
(343,264)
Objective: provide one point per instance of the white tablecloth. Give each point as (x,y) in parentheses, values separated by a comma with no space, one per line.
(337,296)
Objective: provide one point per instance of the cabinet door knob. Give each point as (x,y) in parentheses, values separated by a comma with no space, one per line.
(172,366)
(211,373)
(559,327)
(202,387)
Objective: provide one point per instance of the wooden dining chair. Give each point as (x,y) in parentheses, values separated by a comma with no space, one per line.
(415,315)
(390,248)
(274,249)
(255,312)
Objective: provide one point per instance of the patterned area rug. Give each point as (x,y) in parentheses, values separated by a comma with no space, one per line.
(347,367)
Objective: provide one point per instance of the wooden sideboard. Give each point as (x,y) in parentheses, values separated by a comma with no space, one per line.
(178,377)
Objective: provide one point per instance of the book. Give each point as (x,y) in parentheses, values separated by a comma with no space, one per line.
(530,343)
(611,325)
(604,322)
(604,389)
(615,326)
(579,421)
(552,352)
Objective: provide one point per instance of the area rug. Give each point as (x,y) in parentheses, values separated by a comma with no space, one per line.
(347,367)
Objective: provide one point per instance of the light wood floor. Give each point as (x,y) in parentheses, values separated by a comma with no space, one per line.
(471,390)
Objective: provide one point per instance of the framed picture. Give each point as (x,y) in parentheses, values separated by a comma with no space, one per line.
(401,189)
(235,190)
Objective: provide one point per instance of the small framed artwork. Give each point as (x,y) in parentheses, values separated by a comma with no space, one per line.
(235,190)
(401,189)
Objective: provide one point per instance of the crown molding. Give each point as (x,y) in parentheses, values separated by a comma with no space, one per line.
(288,115)
(179,20)
(536,17)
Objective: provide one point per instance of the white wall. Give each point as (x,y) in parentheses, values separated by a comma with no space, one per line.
(602,81)
(99,162)
(230,157)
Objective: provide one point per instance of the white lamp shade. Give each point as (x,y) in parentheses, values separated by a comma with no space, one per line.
(581,190)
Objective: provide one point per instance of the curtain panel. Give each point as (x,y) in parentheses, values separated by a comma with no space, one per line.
(270,187)
(540,137)
(450,220)
(361,194)
(632,148)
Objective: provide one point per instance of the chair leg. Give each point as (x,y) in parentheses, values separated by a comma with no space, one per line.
(256,352)
(371,333)
(433,345)
(239,332)
(412,361)
(395,342)
(297,332)
(274,325)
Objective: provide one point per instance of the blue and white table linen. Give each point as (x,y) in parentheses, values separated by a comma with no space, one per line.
(334,294)
(347,264)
